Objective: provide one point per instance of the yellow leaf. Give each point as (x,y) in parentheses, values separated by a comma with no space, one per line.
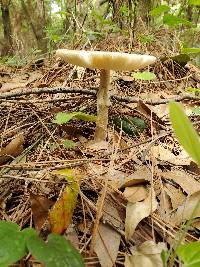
(60,215)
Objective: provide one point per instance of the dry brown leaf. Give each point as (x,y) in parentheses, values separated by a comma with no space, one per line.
(160,110)
(13,149)
(127,78)
(196,224)
(72,236)
(146,255)
(165,206)
(111,214)
(6,87)
(135,212)
(107,245)
(135,193)
(40,208)
(34,76)
(141,176)
(164,154)
(115,177)
(117,138)
(190,209)
(185,180)
(176,195)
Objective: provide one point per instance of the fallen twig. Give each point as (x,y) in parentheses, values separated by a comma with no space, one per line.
(92,91)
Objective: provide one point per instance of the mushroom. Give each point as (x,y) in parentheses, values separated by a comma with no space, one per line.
(105,62)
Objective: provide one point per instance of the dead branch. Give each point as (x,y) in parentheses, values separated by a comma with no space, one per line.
(92,91)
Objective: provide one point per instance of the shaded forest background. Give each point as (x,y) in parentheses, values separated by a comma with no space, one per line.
(31,28)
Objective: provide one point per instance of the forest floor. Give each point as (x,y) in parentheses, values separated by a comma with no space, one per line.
(141,188)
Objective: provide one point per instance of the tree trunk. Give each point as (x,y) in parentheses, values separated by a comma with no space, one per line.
(39,28)
(144,6)
(7,43)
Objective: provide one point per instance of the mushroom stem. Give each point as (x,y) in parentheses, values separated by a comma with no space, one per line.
(103,103)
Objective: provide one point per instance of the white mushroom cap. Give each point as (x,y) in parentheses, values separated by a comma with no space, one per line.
(105,60)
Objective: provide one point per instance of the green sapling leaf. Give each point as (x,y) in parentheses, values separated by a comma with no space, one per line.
(172,21)
(184,131)
(190,50)
(159,10)
(69,143)
(190,254)
(12,243)
(57,252)
(146,76)
(194,2)
(62,117)
(196,111)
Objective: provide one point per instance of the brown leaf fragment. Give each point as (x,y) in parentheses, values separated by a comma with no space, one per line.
(185,180)
(111,214)
(107,245)
(196,224)
(142,107)
(176,195)
(135,193)
(147,254)
(135,212)
(72,236)
(165,206)
(13,149)
(40,207)
(141,176)
(190,209)
(164,154)
(12,85)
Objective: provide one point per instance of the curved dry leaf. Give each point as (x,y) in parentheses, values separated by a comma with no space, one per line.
(135,212)
(135,193)
(107,245)
(185,180)
(147,254)
(176,195)
(13,149)
(190,209)
(40,207)
(141,176)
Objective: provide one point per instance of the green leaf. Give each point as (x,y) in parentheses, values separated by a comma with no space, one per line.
(196,91)
(63,117)
(190,254)
(196,111)
(12,243)
(194,2)
(184,131)
(181,59)
(85,117)
(159,10)
(69,143)
(190,50)
(146,38)
(57,252)
(124,10)
(146,76)
(172,20)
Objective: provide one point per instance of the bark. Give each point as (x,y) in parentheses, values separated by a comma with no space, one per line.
(39,28)
(144,6)
(7,29)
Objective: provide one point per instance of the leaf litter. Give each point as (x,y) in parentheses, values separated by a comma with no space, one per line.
(152,185)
